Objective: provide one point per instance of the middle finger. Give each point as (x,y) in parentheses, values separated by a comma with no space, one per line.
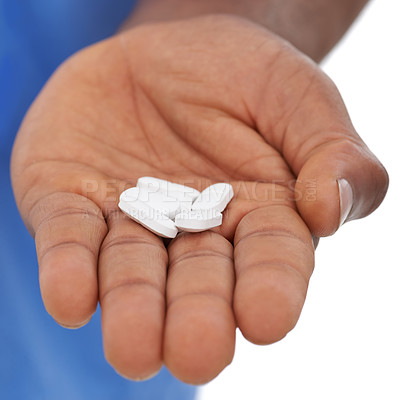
(199,337)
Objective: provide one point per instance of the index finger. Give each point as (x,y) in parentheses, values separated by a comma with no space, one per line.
(274,259)
(69,230)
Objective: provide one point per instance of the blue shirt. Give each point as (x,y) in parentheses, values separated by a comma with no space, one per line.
(38,358)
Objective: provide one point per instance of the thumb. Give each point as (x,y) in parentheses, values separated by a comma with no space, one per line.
(338,177)
(340,181)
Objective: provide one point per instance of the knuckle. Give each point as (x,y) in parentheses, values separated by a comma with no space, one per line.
(127,284)
(207,243)
(64,244)
(196,296)
(263,222)
(191,255)
(115,241)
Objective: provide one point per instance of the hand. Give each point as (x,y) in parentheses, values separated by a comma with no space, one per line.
(198,101)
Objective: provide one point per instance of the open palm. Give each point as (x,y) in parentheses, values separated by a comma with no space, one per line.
(207,100)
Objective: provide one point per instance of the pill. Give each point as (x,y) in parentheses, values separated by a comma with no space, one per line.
(216,197)
(154,220)
(198,220)
(181,192)
(156,200)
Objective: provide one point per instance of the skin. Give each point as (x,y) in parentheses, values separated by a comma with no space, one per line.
(198,101)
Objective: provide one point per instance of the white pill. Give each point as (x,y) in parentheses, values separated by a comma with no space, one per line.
(181,192)
(215,197)
(154,220)
(198,220)
(157,200)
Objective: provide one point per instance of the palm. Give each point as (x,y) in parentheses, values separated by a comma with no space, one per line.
(192,105)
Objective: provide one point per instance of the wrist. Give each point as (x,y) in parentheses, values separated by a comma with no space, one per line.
(167,10)
(313,26)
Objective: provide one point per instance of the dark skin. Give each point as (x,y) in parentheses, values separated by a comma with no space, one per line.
(199,101)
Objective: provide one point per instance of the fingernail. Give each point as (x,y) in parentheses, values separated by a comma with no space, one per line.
(346,200)
(72,327)
(139,378)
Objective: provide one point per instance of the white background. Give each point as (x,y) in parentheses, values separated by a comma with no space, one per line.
(347,342)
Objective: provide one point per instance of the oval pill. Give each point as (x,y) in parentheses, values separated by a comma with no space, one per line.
(198,220)
(154,220)
(157,200)
(181,192)
(216,197)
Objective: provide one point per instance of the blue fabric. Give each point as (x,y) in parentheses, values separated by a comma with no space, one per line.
(39,359)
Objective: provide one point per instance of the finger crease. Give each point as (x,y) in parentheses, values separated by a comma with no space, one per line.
(274,233)
(132,283)
(199,294)
(274,264)
(69,243)
(131,240)
(67,212)
(197,254)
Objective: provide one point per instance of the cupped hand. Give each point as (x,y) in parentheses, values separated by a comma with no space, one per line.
(199,101)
